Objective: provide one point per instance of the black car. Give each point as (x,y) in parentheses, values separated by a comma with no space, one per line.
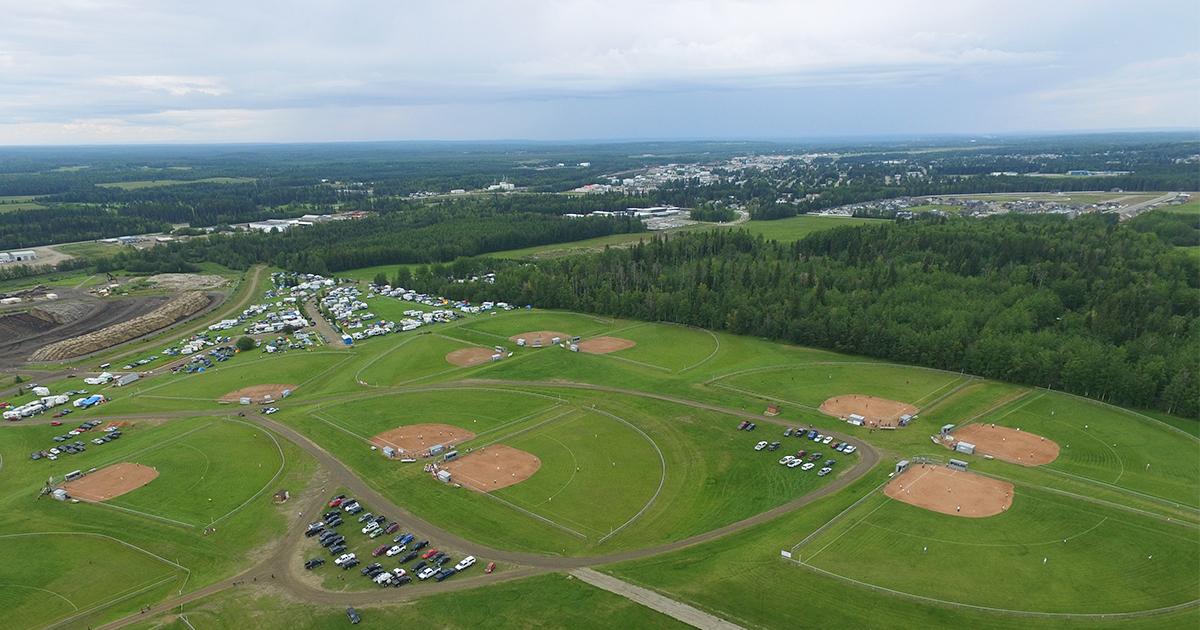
(314,563)
(349,563)
(416,568)
(334,522)
(353,615)
(403,579)
(36,455)
(327,534)
(444,573)
(380,520)
(59,438)
(371,567)
(409,557)
(313,531)
(330,514)
(421,545)
(371,573)
(337,549)
(336,540)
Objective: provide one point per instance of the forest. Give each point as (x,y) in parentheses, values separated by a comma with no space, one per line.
(1086,305)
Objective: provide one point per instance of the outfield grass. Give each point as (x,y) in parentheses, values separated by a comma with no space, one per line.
(548,601)
(810,385)
(156,183)
(797,227)
(85,560)
(252,368)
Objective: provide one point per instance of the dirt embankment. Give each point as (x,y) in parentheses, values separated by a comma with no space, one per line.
(174,310)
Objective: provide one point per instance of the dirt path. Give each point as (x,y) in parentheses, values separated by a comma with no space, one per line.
(672,608)
(333,338)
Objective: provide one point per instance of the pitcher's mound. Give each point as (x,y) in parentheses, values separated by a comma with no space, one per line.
(1010,445)
(540,338)
(258,393)
(110,481)
(415,439)
(470,356)
(604,345)
(493,467)
(952,492)
(878,411)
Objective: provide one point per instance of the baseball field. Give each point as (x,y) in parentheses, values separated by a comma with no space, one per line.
(631,457)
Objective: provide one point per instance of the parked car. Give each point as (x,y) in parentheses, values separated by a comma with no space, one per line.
(403,579)
(395,550)
(416,568)
(313,531)
(443,574)
(343,559)
(490,567)
(403,539)
(824,471)
(828,439)
(380,520)
(426,573)
(849,449)
(391,528)
(814,457)
(270,410)
(774,446)
(409,557)
(743,425)
(787,459)
(464,563)
(314,563)
(56,423)
(353,615)
(379,551)
(429,554)
(374,566)
(336,549)
(801,453)
(336,501)
(370,528)
(366,516)
(353,562)
(808,466)
(760,446)
(830,462)
(383,578)
(334,522)
(787,432)
(794,463)
(420,545)
(375,533)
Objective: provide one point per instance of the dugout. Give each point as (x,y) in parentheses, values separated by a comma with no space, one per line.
(957,464)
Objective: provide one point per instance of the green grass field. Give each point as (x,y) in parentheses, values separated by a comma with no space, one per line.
(156,183)
(796,228)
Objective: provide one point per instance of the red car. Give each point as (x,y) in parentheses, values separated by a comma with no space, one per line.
(490,567)
(336,501)
(380,550)
(429,554)
(56,423)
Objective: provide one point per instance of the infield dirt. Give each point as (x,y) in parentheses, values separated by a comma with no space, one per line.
(605,345)
(467,357)
(415,439)
(878,411)
(1011,445)
(540,338)
(258,393)
(957,493)
(493,467)
(110,482)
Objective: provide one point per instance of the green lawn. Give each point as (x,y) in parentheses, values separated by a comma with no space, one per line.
(548,601)
(797,227)
(155,183)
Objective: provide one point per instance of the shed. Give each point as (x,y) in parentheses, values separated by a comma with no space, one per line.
(947,428)
(855,419)
(436,449)
(245,400)
(443,476)
(449,456)
(389,452)
(60,494)
(905,419)
(901,466)
(126,379)
(965,447)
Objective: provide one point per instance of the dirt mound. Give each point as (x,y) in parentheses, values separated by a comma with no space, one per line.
(493,467)
(604,345)
(174,310)
(878,411)
(470,356)
(415,439)
(110,482)
(539,338)
(25,323)
(258,393)
(1011,445)
(953,492)
(186,281)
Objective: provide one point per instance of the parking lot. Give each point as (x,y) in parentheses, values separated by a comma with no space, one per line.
(806,458)
(378,550)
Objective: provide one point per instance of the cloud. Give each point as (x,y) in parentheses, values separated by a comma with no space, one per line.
(173,85)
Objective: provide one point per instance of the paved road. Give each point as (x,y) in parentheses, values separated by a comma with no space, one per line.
(1129,212)
(687,614)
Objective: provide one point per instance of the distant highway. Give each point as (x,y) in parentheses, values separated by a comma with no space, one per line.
(1128,212)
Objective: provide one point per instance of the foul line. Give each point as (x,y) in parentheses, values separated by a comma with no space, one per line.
(661,480)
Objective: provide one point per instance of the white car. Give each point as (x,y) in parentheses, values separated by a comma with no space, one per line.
(376,533)
(818,437)
(807,466)
(850,449)
(270,410)
(396,550)
(344,558)
(74,432)
(824,471)
(426,573)
(54,451)
(350,506)
(760,446)
(383,578)
(794,463)
(464,563)
(372,526)
(787,459)
(828,439)
(399,572)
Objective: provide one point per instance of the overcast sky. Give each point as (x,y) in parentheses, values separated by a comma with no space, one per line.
(100,71)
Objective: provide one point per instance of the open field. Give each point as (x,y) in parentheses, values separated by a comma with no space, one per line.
(156,183)
(797,227)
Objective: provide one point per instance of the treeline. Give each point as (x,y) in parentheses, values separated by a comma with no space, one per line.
(27,228)
(1173,228)
(1081,305)
(419,236)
